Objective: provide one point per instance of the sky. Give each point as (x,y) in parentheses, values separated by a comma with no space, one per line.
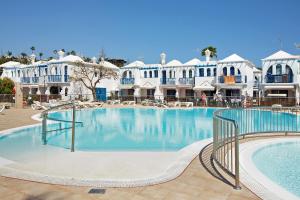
(142,29)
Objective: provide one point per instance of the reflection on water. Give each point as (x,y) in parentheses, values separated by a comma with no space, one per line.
(136,129)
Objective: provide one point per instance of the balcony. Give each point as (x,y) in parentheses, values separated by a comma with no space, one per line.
(35,80)
(231,79)
(25,80)
(127,81)
(168,81)
(186,81)
(282,78)
(54,78)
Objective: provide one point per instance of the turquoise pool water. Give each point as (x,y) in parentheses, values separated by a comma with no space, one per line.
(118,129)
(280,163)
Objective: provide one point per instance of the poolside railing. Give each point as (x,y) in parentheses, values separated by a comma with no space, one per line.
(231,125)
(45,117)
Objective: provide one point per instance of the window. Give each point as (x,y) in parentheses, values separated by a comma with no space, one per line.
(95,74)
(278,69)
(270,71)
(130,74)
(155,73)
(225,71)
(124,75)
(56,70)
(46,71)
(208,73)
(18,73)
(201,72)
(145,74)
(215,71)
(66,69)
(170,74)
(231,71)
(239,72)
(12,74)
(190,73)
(150,74)
(183,74)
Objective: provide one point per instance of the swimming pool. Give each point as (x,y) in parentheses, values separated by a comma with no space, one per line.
(280,163)
(120,129)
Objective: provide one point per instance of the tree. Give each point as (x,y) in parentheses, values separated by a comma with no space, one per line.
(9,54)
(55,51)
(212,49)
(73,53)
(6,86)
(32,49)
(24,55)
(91,75)
(41,55)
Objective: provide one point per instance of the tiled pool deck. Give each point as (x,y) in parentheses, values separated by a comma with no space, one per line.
(194,183)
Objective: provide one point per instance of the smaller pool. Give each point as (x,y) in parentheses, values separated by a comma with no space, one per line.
(280,162)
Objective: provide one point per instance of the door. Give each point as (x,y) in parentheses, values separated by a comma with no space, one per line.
(101,94)
(164,77)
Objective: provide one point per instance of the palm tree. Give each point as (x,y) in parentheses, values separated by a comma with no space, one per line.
(24,55)
(73,53)
(9,54)
(41,54)
(213,51)
(55,51)
(32,49)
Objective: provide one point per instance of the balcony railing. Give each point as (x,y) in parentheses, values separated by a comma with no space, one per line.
(186,81)
(127,81)
(35,79)
(168,81)
(66,78)
(231,79)
(25,79)
(282,78)
(54,78)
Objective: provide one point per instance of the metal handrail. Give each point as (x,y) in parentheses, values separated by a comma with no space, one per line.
(229,125)
(45,117)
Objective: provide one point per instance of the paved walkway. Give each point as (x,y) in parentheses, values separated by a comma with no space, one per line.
(194,183)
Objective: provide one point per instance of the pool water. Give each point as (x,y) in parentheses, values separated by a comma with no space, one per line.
(280,163)
(117,129)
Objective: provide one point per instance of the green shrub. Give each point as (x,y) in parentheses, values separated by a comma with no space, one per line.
(6,86)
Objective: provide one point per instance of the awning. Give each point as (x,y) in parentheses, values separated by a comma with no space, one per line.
(204,86)
(279,87)
(125,87)
(277,95)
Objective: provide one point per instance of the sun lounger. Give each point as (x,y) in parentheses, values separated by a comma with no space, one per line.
(2,108)
(128,102)
(38,106)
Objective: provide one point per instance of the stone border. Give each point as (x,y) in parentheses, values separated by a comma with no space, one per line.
(185,156)
(255,180)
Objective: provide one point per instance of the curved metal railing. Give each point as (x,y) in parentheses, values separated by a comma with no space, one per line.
(46,117)
(229,125)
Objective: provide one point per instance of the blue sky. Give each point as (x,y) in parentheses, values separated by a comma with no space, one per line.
(140,29)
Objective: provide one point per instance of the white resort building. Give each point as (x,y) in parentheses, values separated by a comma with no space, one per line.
(232,76)
(53,77)
(281,77)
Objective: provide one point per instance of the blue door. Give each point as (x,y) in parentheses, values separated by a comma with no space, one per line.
(101,94)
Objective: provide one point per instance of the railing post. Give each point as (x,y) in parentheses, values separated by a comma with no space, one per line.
(73,129)
(44,128)
(237,158)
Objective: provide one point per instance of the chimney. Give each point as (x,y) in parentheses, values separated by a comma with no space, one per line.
(60,54)
(94,59)
(163,58)
(32,58)
(207,55)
